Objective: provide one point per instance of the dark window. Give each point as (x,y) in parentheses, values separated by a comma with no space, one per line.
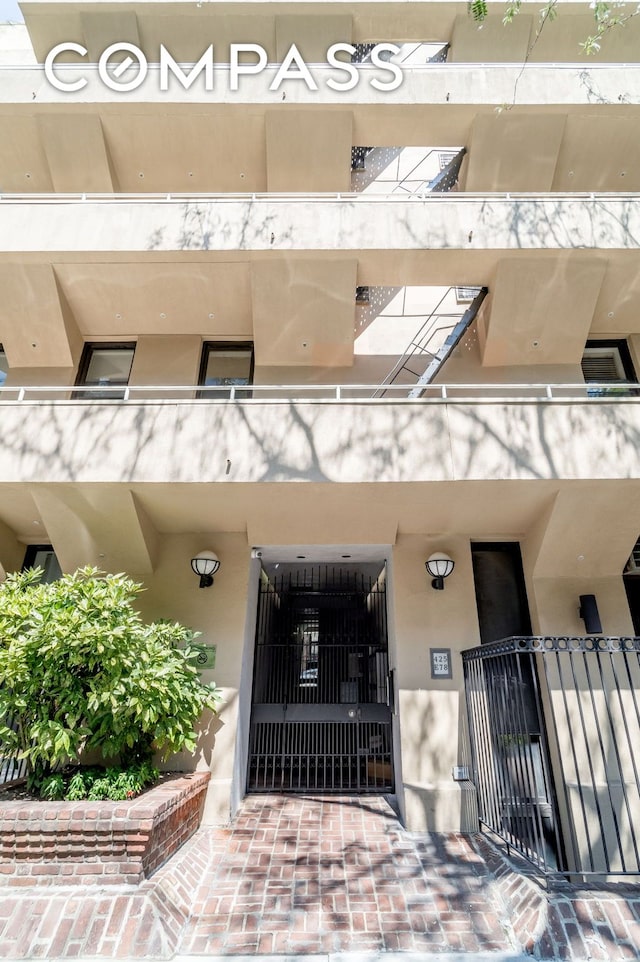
(501,595)
(4,367)
(224,366)
(43,556)
(606,362)
(107,367)
(632,588)
(633,564)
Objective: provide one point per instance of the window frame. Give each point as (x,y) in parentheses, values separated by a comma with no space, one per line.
(614,344)
(30,557)
(213,347)
(115,393)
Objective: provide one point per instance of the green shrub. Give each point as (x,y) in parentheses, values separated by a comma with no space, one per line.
(98,784)
(52,788)
(81,670)
(78,787)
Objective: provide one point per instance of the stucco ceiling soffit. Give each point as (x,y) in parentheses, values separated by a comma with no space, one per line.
(196,506)
(11,551)
(491,43)
(534,538)
(74,337)
(37,327)
(304,312)
(513,151)
(541,309)
(76,152)
(69,536)
(137,298)
(336,523)
(599,154)
(101,28)
(23,161)
(476,509)
(97,525)
(199,148)
(308,150)
(312,34)
(148,532)
(590,531)
(617,310)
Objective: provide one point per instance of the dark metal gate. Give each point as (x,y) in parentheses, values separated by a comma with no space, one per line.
(322,690)
(555,728)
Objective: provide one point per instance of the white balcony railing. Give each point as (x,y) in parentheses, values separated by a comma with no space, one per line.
(591,393)
(274,197)
(345,222)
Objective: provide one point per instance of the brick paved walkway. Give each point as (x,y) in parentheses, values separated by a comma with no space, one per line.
(333,875)
(315,876)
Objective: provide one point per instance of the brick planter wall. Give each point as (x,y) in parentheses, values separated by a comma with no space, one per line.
(102,842)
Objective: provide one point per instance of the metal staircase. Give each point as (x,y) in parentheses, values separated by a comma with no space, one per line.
(418,348)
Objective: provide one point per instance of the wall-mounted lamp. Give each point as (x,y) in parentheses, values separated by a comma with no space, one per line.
(205,564)
(589,613)
(439,566)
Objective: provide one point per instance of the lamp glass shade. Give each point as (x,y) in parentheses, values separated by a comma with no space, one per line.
(205,563)
(439,565)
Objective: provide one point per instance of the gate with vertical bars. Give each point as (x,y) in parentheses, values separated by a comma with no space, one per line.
(322,690)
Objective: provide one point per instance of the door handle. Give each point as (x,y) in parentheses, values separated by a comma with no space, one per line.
(391,690)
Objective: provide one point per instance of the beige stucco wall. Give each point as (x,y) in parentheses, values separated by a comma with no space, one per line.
(166,360)
(329,225)
(40,376)
(432,713)
(324,442)
(11,551)
(219,614)
(634,349)
(555,604)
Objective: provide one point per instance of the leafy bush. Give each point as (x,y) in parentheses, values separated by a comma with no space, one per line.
(52,788)
(80,670)
(98,784)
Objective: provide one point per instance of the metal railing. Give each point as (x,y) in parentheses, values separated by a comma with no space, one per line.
(11,768)
(554,727)
(591,393)
(326,197)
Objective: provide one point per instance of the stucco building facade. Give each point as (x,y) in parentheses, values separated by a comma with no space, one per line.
(327,333)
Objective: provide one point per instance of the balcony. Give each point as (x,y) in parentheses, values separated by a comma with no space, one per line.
(437,84)
(442,222)
(322,433)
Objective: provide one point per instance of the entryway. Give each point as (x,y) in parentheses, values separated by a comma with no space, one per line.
(322,690)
